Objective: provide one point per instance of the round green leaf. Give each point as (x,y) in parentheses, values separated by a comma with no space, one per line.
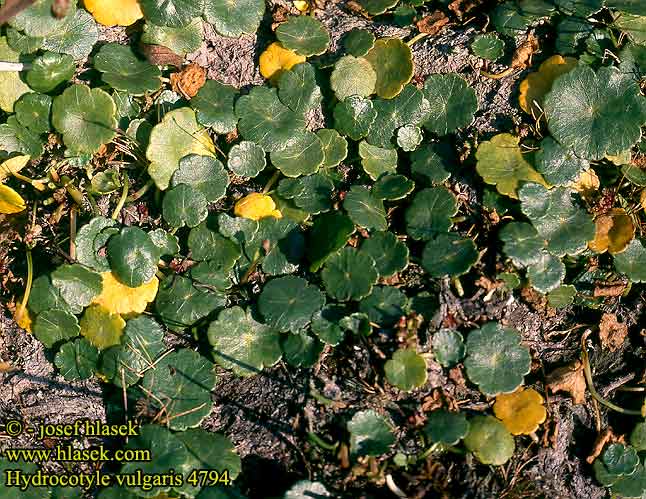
(595,114)
(312,193)
(354,116)
(409,137)
(377,161)
(122,70)
(214,108)
(205,174)
(235,17)
(182,40)
(178,135)
(302,155)
(90,239)
(44,296)
(33,110)
(301,349)
(392,60)
(496,361)
(445,427)
(325,324)
(384,306)
(634,174)
(489,440)
(632,261)
(546,273)
(349,275)
(430,213)
(562,296)
(330,232)
(16,138)
(488,46)
(335,147)
(449,254)
(183,381)
(305,35)
(638,436)
(184,205)
(392,187)
(242,344)
(141,344)
(406,370)
(430,162)
(76,37)
(38,19)
(208,244)
(85,117)
(174,13)
(288,303)
(265,120)
(620,459)
(358,42)
(77,285)
(77,359)
(370,434)
(448,347)
(558,165)
(180,304)
(22,43)
(50,70)
(353,76)
(167,243)
(247,159)
(376,7)
(133,256)
(297,88)
(389,253)
(365,209)
(52,326)
(522,243)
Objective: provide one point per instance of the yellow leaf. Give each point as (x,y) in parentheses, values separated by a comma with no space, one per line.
(301,5)
(521,412)
(642,199)
(13,166)
(22,318)
(537,84)
(101,327)
(118,298)
(587,183)
(255,206)
(614,230)
(10,200)
(114,12)
(276,59)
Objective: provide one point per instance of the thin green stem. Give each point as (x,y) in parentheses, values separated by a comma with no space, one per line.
(416,38)
(122,200)
(136,195)
(274,178)
(315,439)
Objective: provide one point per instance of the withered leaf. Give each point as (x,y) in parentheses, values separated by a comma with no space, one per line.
(569,379)
(612,332)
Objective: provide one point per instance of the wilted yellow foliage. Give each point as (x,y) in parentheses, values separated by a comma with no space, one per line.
(118,298)
(614,230)
(22,318)
(521,412)
(537,84)
(114,12)
(255,206)
(276,59)
(101,327)
(12,166)
(10,200)
(301,5)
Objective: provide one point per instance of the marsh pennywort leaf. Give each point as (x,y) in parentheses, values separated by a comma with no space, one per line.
(632,261)
(242,344)
(409,137)
(11,86)
(120,299)
(214,106)
(358,42)
(53,326)
(522,243)
(77,285)
(385,305)
(488,46)
(114,12)
(204,173)
(101,327)
(183,380)
(38,20)
(376,7)
(389,253)
(33,112)
(85,117)
(174,13)
(265,120)
(566,227)
(430,161)
(178,135)
(276,59)
(235,17)
(357,323)
(182,40)
(288,303)
(562,296)
(365,209)
(445,427)
(448,347)
(558,165)
(406,370)
(297,88)
(50,70)
(185,205)
(133,256)
(141,344)
(521,411)
(90,239)
(335,147)
(313,193)
(301,349)
(489,440)
(620,459)
(376,160)
(246,159)
(305,35)
(44,296)
(370,434)
(501,163)
(614,231)
(302,154)
(349,274)
(354,116)
(325,324)
(546,273)
(123,70)
(330,232)
(453,103)
(535,87)
(353,76)
(392,60)
(430,213)
(76,37)
(595,114)
(392,187)
(449,254)
(496,361)
(206,243)
(22,43)
(77,359)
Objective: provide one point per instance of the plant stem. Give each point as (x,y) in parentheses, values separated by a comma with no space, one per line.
(251,269)
(274,178)
(316,440)
(136,195)
(20,311)
(416,38)
(124,196)
(73,233)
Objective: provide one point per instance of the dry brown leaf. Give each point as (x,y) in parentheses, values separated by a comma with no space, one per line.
(614,230)
(610,289)
(189,80)
(587,183)
(605,437)
(158,55)
(461,7)
(569,379)
(433,23)
(612,332)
